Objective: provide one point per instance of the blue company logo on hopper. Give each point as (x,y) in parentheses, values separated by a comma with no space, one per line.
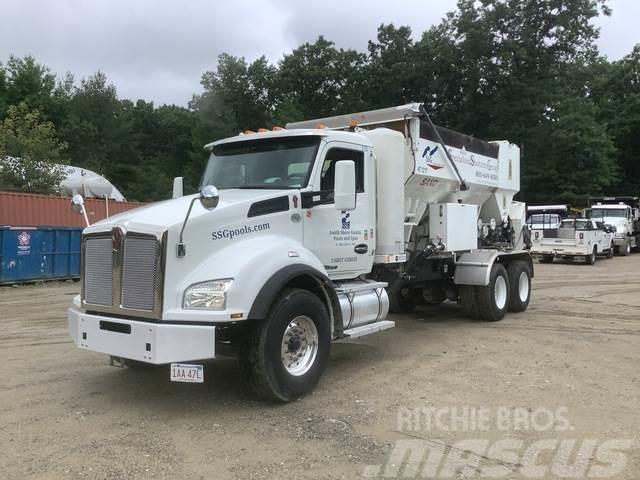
(231,233)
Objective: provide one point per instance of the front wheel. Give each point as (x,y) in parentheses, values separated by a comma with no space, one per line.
(625,249)
(546,259)
(286,353)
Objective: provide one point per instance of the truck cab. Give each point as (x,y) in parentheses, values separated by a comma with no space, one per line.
(623,213)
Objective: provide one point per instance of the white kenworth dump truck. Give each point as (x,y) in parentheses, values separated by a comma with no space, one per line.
(623,213)
(304,236)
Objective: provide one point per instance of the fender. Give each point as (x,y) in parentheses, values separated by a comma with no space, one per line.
(282,277)
(474,268)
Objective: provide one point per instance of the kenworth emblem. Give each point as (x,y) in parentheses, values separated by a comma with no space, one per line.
(117,234)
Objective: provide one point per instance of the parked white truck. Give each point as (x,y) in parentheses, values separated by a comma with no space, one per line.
(581,238)
(307,237)
(623,213)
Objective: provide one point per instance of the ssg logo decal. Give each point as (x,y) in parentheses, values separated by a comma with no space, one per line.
(346,223)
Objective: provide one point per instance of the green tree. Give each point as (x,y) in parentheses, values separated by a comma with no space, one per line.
(617,91)
(318,80)
(30,83)
(30,152)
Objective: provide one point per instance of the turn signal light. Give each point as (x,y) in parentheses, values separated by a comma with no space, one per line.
(320,125)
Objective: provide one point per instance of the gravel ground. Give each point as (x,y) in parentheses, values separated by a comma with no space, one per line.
(66,413)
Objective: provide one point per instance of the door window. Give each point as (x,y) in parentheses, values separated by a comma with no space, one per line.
(327,175)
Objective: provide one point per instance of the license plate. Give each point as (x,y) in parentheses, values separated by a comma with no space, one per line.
(184,372)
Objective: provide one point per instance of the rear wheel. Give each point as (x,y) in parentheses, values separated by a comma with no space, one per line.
(492,300)
(467,300)
(402,301)
(520,285)
(286,354)
(431,296)
(591,259)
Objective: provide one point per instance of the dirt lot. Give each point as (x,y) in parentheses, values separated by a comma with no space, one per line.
(66,413)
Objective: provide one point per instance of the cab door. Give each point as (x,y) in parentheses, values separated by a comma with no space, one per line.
(342,240)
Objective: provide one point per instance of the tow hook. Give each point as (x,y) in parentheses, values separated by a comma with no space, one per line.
(117,362)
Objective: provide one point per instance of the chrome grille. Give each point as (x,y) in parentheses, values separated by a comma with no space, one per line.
(140,274)
(98,271)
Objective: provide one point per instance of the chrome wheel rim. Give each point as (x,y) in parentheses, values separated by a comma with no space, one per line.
(299,347)
(500,292)
(523,286)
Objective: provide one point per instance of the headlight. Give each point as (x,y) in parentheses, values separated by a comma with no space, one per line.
(210,295)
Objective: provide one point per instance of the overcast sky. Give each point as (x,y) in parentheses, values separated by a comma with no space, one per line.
(158,49)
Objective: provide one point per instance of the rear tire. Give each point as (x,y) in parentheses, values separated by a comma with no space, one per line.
(402,301)
(519,285)
(285,355)
(591,259)
(467,300)
(493,300)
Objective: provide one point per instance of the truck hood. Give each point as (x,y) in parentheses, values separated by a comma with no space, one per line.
(166,214)
(619,223)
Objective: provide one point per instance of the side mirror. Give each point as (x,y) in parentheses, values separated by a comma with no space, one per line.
(345,185)
(209,197)
(77,205)
(77,202)
(177,187)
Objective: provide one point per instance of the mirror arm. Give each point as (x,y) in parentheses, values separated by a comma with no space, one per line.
(84,213)
(181,248)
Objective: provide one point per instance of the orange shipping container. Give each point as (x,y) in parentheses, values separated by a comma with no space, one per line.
(31,210)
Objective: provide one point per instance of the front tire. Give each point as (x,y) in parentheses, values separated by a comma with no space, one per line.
(286,354)
(546,259)
(625,250)
(520,285)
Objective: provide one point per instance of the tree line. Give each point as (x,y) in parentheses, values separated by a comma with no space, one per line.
(529,72)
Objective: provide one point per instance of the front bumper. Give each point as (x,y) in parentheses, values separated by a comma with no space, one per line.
(620,241)
(156,343)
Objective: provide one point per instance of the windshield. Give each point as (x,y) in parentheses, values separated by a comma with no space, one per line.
(272,163)
(608,212)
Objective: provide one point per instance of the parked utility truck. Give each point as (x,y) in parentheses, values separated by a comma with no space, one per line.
(623,213)
(303,236)
(576,238)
